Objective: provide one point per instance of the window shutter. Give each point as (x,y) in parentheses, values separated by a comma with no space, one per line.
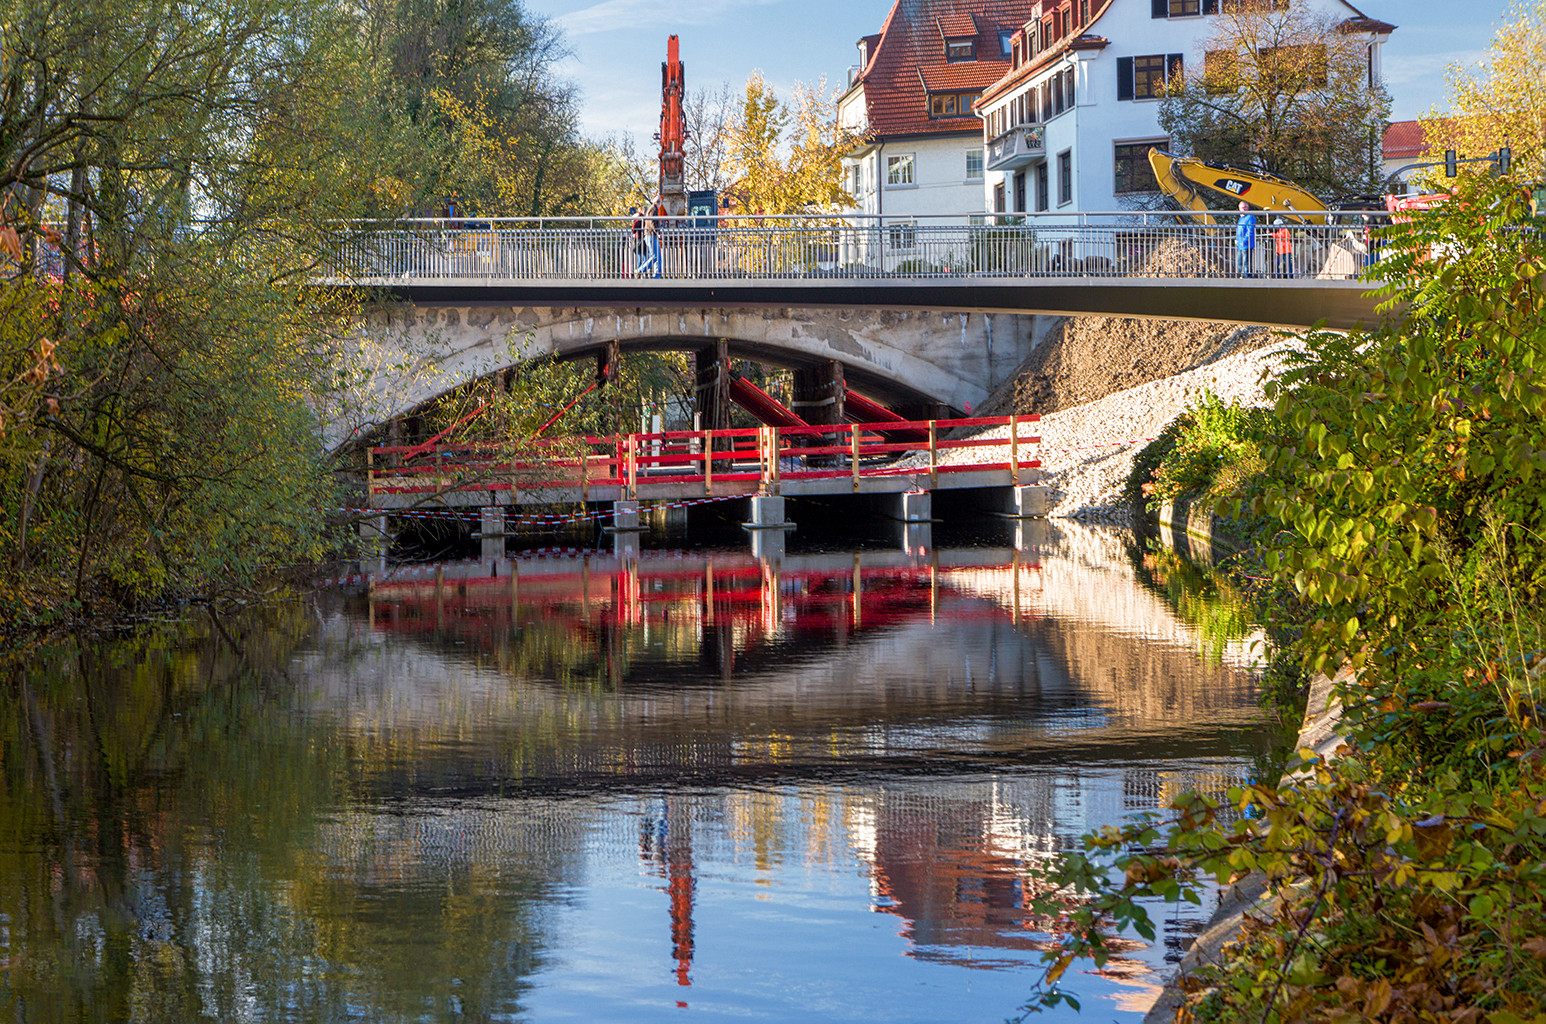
(1172,67)
(1124,78)
(1159,8)
(1210,6)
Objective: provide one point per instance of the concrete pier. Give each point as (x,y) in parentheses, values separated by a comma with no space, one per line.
(492,526)
(374,541)
(625,517)
(767,512)
(1029,501)
(916,506)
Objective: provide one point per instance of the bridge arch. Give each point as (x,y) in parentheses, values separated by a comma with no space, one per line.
(955,359)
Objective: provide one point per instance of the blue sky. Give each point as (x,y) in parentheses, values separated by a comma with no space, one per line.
(618,45)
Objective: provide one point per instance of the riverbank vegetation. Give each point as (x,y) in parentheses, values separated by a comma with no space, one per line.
(169,178)
(1396,494)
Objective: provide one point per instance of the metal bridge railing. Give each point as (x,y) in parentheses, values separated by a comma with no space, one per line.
(1167,245)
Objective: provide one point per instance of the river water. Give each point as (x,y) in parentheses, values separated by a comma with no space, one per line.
(687,786)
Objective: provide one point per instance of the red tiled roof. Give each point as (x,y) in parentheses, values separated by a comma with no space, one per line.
(1407,140)
(911,52)
(1404,140)
(961,76)
(954,25)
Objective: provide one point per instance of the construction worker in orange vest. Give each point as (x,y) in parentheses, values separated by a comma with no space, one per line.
(1285,248)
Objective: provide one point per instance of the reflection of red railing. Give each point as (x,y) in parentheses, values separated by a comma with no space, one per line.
(739,460)
(752,597)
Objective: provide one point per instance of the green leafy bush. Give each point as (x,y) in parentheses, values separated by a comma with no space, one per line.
(1402,493)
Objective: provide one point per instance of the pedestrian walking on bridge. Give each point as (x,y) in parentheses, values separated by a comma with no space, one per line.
(1245,240)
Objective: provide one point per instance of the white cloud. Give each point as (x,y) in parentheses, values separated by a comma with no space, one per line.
(612,15)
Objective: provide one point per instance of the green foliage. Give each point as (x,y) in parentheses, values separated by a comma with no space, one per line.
(1402,496)
(1406,438)
(1210,450)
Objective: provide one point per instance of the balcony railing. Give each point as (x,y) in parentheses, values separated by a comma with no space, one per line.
(1021,145)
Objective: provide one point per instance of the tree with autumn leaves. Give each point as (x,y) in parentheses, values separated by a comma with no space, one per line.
(1281,88)
(1502,101)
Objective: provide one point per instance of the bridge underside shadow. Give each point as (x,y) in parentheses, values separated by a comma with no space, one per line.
(1261,301)
(909,359)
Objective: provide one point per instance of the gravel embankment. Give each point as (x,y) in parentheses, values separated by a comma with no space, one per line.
(1087,451)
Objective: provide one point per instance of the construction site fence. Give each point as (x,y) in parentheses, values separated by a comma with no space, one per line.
(1156,245)
(751,459)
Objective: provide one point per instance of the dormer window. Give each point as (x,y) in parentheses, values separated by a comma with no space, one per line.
(960,49)
(1004,37)
(951,104)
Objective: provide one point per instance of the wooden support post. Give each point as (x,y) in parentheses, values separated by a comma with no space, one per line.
(853,434)
(708,463)
(774,450)
(633,468)
(370,472)
(1014,449)
(933,455)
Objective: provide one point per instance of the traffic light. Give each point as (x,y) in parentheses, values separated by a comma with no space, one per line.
(1450,164)
(1505,159)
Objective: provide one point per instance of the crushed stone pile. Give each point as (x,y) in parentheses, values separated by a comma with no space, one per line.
(1087,450)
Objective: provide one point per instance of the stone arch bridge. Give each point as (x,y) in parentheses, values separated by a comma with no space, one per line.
(926,362)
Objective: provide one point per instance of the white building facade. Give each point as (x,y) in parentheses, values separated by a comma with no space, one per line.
(1069,128)
(913,95)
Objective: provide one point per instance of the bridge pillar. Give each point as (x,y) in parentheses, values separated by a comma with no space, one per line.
(374,541)
(767,512)
(492,542)
(818,393)
(1030,501)
(712,400)
(915,506)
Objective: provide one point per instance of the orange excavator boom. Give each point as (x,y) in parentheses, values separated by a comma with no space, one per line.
(673,132)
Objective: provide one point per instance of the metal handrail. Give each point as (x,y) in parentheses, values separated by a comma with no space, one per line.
(1131,244)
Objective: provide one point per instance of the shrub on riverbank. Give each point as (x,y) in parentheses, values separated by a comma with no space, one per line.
(1402,504)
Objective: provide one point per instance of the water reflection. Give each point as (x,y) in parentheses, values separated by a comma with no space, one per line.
(809,787)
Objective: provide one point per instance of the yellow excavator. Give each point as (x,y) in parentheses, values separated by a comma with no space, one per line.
(1184,180)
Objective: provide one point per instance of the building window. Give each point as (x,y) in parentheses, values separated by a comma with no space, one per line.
(1189,8)
(1084,12)
(858,182)
(951,104)
(1005,41)
(1065,177)
(1133,173)
(998,198)
(899,170)
(960,49)
(1041,186)
(901,237)
(1145,77)
(974,165)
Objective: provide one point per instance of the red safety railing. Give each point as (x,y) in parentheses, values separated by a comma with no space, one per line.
(758,459)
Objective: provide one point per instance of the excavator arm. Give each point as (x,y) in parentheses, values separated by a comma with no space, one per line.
(673,132)
(1185,180)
